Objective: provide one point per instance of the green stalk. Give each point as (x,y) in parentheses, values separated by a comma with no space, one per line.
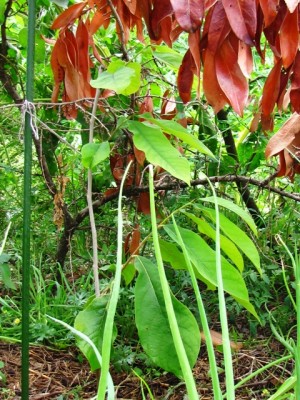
(229,377)
(180,350)
(27,202)
(209,344)
(296,266)
(109,322)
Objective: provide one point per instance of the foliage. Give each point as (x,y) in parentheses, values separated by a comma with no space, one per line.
(195,94)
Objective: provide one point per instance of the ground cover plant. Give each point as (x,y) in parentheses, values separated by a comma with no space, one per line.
(158,212)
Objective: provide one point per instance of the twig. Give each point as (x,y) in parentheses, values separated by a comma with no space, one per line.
(119,22)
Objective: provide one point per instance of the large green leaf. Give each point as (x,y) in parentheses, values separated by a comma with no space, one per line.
(237,235)
(123,78)
(172,255)
(227,246)
(204,259)
(93,153)
(175,129)
(91,322)
(159,151)
(152,321)
(236,209)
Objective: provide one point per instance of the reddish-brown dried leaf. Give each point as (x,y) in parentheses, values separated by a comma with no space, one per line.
(269,9)
(189,13)
(289,38)
(284,79)
(217,340)
(194,46)
(68,16)
(271,90)
(135,241)
(143,203)
(131,5)
(272,31)
(218,29)
(239,14)
(284,136)
(168,107)
(100,18)
(161,10)
(185,77)
(230,77)
(245,60)
(295,87)
(212,90)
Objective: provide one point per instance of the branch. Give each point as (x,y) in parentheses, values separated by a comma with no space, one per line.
(119,22)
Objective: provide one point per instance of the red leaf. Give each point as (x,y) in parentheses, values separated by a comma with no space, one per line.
(194,46)
(230,77)
(100,18)
(161,10)
(245,60)
(269,9)
(168,107)
(272,31)
(295,87)
(143,203)
(135,241)
(289,38)
(218,29)
(131,5)
(238,13)
(284,136)
(189,13)
(185,77)
(212,90)
(68,16)
(271,90)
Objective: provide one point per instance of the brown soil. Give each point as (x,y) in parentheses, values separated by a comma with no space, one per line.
(60,375)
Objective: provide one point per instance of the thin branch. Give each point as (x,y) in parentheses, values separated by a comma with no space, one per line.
(119,22)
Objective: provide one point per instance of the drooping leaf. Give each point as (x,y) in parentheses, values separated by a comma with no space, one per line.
(5,275)
(217,27)
(161,10)
(213,92)
(91,322)
(227,246)
(94,153)
(238,237)
(68,16)
(185,77)
(241,14)
(245,60)
(153,325)
(189,13)
(230,77)
(177,130)
(289,38)
(269,9)
(158,150)
(295,85)
(234,208)
(204,259)
(271,89)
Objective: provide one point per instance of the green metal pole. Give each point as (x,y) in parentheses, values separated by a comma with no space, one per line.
(27,199)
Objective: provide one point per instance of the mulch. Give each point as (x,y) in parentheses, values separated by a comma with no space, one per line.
(61,375)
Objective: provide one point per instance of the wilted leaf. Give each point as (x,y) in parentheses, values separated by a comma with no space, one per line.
(269,9)
(189,13)
(230,77)
(271,89)
(295,84)
(289,38)
(185,77)
(68,16)
(241,15)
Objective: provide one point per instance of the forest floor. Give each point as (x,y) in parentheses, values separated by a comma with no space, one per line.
(59,375)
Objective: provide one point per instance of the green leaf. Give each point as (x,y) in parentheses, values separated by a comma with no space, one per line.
(5,276)
(152,321)
(121,77)
(238,236)
(128,273)
(175,129)
(168,56)
(93,153)
(227,246)
(204,259)
(2,9)
(236,209)
(40,46)
(171,254)
(159,151)
(61,3)
(91,322)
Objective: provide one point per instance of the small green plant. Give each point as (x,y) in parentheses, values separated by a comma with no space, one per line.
(2,375)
